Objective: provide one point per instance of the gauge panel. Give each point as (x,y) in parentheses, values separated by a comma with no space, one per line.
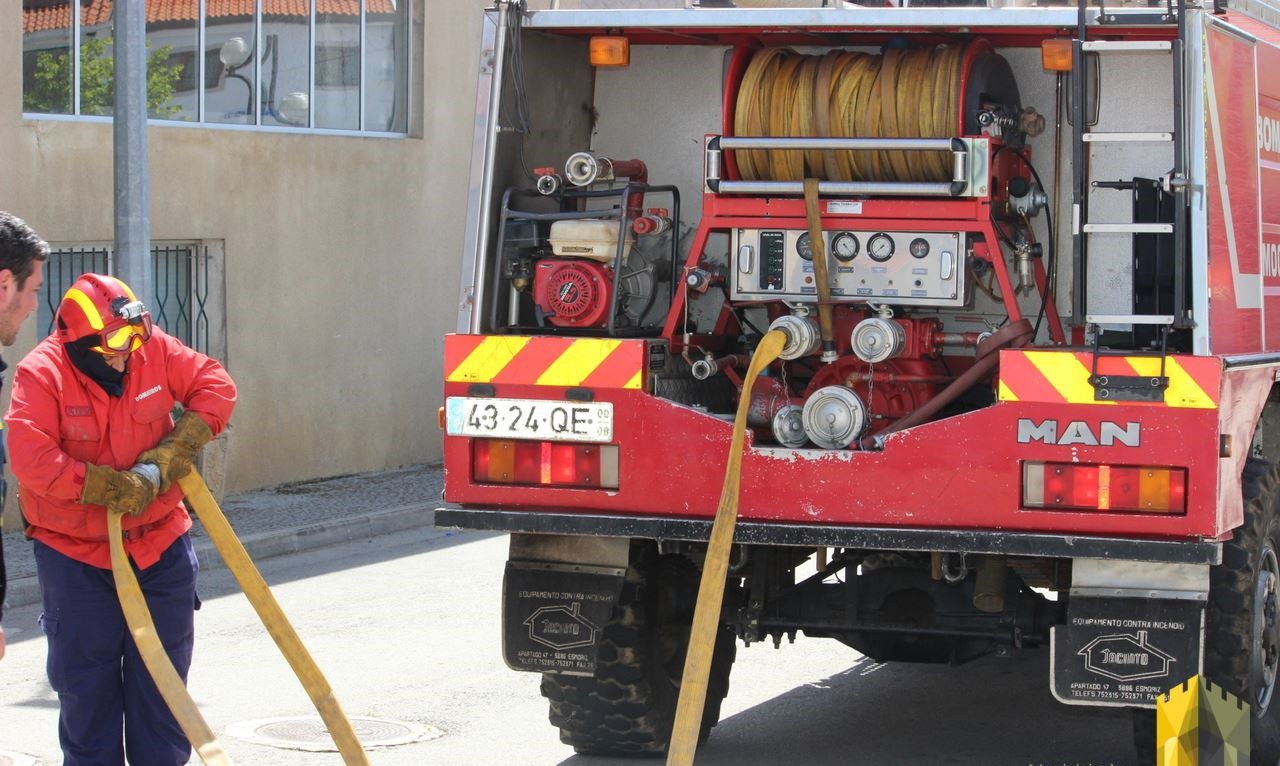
(919,248)
(893,267)
(880,247)
(804,247)
(845,246)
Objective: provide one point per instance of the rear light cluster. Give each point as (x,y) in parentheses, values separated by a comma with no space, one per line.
(1126,488)
(551,464)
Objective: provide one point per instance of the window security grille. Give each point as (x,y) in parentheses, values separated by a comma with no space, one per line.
(180,304)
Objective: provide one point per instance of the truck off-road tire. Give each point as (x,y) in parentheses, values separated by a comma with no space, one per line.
(1242,626)
(627,708)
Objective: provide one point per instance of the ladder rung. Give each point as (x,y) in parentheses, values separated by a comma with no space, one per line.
(1156,319)
(1128,228)
(1095,138)
(1125,46)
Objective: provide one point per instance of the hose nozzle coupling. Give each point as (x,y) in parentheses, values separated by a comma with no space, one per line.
(548,184)
(802,333)
(709,366)
(148,471)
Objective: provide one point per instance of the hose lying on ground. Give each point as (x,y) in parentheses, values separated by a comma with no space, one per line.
(174,692)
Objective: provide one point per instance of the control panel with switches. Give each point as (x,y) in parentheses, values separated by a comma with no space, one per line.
(893,267)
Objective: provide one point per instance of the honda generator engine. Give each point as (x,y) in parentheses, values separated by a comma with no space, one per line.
(574,287)
(573,292)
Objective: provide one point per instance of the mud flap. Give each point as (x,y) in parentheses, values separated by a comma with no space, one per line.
(1123,652)
(553,615)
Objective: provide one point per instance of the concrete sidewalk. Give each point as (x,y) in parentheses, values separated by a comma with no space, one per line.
(287,519)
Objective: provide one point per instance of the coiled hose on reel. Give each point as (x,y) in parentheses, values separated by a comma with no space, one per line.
(901,93)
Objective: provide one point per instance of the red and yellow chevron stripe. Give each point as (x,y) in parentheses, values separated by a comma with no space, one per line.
(1059,377)
(544,361)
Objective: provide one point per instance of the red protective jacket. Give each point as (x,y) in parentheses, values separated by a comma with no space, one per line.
(59,419)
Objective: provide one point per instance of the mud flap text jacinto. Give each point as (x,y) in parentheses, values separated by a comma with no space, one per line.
(1125,651)
(553,615)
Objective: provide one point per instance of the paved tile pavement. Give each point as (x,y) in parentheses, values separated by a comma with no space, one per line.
(288,518)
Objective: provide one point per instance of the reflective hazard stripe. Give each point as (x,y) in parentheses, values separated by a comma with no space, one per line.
(1062,377)
(545,361)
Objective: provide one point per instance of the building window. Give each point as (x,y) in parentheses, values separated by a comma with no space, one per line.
(337,66)
(187,301)
(213,71)
(315,64)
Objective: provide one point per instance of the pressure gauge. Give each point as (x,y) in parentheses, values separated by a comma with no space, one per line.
(845,246)
(880,247)
(805,247)
(919,247)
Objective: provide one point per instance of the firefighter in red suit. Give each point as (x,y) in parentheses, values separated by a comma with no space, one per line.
(91,433)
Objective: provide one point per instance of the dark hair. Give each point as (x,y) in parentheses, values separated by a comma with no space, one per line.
(19,247)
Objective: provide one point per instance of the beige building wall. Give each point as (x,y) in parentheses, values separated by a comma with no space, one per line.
(341,253)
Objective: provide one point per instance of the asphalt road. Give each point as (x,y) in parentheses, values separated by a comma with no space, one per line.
(406,629)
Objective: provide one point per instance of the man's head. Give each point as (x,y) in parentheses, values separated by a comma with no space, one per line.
(101,313)
(22,254)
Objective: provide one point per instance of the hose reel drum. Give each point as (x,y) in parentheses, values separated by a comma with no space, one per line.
(944,91)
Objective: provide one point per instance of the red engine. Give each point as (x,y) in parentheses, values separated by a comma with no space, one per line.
(573,293)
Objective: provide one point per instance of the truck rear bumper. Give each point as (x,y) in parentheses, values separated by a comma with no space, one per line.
(832,536)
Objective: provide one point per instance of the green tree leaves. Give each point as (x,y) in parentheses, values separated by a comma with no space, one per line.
(51,93)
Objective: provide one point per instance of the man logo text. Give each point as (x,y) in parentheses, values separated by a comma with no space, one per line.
(1107,434)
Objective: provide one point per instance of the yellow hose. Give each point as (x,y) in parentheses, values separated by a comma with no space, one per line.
(900,94)
(138,617)
(813,216)
(715,569)
(264,603)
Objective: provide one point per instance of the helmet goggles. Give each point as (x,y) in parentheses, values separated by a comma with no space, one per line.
(127,329)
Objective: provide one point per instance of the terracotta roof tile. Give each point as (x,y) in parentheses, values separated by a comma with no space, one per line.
(43,15)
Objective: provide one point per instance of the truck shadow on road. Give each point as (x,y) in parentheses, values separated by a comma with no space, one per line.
(993,712)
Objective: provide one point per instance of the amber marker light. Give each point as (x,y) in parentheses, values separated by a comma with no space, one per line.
(610,51)
(1055,55)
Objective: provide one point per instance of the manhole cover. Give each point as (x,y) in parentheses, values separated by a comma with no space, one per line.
(309,733)
(8,758)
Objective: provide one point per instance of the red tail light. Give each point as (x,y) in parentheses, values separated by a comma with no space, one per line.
(552,464)
(1125,488)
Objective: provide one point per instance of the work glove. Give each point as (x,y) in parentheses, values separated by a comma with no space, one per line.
(175,452)
(121,491)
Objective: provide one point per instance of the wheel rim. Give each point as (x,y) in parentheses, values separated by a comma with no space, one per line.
(1265,652)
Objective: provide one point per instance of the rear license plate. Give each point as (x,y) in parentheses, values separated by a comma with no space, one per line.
(541,419)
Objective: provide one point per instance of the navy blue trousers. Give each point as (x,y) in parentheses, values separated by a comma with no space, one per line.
(110,707)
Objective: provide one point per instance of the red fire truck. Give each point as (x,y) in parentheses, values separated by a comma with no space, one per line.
(1026,260)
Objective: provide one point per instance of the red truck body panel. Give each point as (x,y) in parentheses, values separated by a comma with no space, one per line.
(971,464)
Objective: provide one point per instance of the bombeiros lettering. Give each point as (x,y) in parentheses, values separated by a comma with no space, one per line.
(1268,134)
(149,392)
(1271,259)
